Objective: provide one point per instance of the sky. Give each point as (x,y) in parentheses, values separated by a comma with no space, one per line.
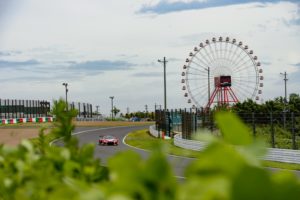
(110,48)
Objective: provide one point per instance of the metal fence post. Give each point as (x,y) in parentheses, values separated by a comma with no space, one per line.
(293,131)
(211,121)
(272,130)
(253,125)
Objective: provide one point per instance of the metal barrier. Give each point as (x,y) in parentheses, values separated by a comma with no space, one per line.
(88,119)
(279,155)
(153,131)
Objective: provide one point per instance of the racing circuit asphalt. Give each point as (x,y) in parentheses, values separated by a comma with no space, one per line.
(91,135)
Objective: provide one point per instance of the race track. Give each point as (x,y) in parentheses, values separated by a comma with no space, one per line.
(91,135)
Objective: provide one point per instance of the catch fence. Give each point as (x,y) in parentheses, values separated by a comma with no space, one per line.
(14,108)
(278,129)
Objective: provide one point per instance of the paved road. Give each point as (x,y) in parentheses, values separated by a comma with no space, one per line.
(91,135)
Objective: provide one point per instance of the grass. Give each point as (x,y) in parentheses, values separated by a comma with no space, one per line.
(281,165)
(142,139)
(282,137)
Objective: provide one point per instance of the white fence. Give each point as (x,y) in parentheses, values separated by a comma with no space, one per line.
(279,155)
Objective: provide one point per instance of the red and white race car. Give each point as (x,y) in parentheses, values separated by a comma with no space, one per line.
(107,140)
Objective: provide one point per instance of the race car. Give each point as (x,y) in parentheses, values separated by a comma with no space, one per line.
(108,140)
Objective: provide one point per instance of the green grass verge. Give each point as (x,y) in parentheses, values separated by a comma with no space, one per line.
(281,165)
(142,139)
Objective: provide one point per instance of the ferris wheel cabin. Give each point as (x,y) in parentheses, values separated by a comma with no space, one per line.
(223,81)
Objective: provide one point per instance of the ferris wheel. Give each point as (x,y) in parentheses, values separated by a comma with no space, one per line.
(221,71)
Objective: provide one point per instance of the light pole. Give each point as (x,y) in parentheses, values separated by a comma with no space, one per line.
(208,83)
(97,107)
(66,86)
(285,92)
(285,99)
(165,84)
(112,107)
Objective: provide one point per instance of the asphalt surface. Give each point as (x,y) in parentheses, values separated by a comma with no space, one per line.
(91,135)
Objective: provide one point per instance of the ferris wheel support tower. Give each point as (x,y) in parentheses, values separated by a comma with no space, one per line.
(222,95)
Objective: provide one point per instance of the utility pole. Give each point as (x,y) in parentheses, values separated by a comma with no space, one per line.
(285,99)
(285,91)
(164,61)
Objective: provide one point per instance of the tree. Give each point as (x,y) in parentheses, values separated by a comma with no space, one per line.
(294,103)
(116,111)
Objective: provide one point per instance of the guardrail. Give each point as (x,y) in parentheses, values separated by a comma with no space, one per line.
(153,131)
(88,119)
(279,155)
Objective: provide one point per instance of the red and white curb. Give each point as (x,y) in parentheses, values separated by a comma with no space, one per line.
(26,120)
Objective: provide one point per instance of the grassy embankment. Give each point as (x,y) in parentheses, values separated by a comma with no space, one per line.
(142,139)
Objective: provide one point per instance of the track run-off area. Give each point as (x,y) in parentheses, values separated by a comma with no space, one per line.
(91,135)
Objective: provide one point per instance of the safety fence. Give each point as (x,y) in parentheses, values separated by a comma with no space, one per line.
(85,110)
(279,130)
(273,154)
(19,109)
(13,108)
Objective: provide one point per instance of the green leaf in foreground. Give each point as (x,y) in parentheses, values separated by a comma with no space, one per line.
(234,131)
